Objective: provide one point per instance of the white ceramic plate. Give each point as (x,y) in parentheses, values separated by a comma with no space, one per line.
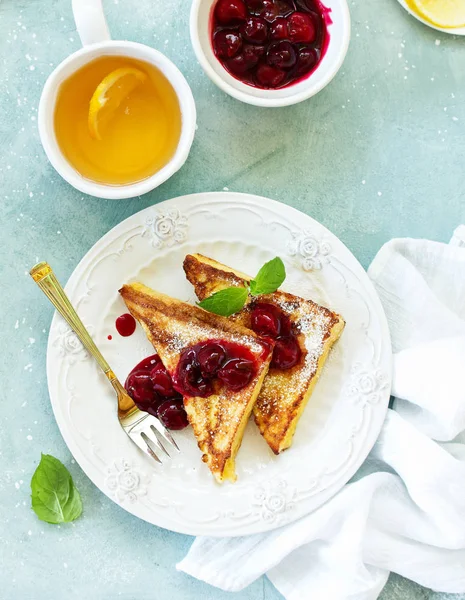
(340,424)
(455,31)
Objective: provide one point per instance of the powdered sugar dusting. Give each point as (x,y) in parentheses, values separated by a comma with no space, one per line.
(182,336)
(283,389)
(315,328)
(287,306)
(314,322)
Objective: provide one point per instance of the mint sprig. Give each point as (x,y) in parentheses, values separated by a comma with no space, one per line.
(269,278)
(226,302)
(232,299)
(55,498)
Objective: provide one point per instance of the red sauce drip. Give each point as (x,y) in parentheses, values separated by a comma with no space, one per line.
(110,337)
(125,325)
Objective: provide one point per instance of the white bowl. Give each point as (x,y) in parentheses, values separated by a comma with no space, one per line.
(339,32)
(451,31)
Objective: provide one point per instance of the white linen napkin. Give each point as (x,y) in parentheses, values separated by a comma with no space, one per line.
(405,509)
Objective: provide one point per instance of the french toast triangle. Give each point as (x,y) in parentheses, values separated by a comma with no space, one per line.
(286,389)
(219,415)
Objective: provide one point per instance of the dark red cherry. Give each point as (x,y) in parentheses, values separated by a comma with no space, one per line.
(139,386)
(255,30)
(237,373)
(285,7)
(301,28)
(286,353)
(193,383)
(162,382)
(278,29)
(270,77)
(269,11)
(282,55)
(306,60)
(253,54)
(227,43)
(189,376)
(230,12)
(151,362)
(211,358)
(238,65)
(247,59)
(254,6)
(265,320)
(172,414)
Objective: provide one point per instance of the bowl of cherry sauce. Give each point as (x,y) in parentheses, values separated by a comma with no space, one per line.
(270,52)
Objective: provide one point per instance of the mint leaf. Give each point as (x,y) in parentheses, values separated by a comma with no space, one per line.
(269,278)
(226,302)
(55,498)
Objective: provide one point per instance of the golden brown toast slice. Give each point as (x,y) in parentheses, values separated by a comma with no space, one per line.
(284,393)
(218,420)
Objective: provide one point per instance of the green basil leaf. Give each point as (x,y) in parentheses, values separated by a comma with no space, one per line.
(55,498)
(269,278)
(226,302)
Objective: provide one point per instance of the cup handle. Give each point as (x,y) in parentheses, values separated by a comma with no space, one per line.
(90,21)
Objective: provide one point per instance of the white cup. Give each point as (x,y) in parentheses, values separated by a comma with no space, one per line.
(339,32)
(95,38)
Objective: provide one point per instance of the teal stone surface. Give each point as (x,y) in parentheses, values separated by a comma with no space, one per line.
(379,153)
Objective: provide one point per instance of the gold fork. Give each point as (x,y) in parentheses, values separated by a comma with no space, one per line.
(145,430)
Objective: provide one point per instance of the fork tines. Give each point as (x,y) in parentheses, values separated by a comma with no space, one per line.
(152,437)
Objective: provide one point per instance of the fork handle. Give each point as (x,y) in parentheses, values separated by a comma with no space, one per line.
(46,279)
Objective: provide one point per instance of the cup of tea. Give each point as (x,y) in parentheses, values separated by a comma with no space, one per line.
(116,118)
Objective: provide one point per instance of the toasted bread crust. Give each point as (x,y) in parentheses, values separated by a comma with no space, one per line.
(209,276)
(284,394)
(219,420)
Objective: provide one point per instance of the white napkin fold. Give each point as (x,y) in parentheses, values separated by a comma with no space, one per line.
(405,509)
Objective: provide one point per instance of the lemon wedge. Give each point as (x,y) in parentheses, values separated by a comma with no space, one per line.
(109,94)
(443,13)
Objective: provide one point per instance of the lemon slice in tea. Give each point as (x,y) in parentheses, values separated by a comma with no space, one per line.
(443,13)
(109,94)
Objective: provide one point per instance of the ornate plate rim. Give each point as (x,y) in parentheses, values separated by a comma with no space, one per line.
(228,529)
